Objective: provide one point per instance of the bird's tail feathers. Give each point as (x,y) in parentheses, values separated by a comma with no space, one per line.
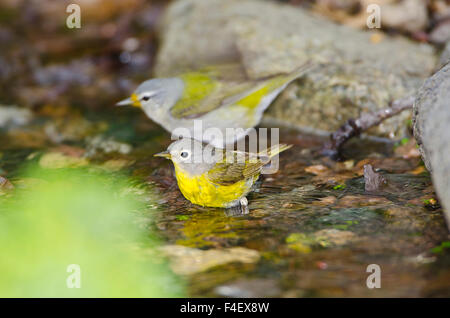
(275,150)
(301,70)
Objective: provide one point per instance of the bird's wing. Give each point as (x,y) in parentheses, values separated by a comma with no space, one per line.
(217,86)
(207,90)
(241,167)
(235,166)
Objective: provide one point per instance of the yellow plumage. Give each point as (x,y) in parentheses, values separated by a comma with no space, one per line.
(201,191)
(223,184)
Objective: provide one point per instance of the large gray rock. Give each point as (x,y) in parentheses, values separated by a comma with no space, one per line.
(445,55)
(431,119)
(361,72)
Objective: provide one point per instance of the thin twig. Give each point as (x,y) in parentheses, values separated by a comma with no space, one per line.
(354,127)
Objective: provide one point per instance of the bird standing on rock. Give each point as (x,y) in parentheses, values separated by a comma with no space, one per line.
(213,95)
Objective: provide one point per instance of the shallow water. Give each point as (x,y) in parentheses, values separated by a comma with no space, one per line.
(312,229)
(317,240)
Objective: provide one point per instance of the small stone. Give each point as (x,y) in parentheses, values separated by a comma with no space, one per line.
(350,201)
(325,201)
(445,55)
(116,164)
(406,15)
(55,160)
(373,181)
(441,33)
(11,116)
(317,169)
(349,164)
(300,242)
(188,260)
(106,145)
(335,237)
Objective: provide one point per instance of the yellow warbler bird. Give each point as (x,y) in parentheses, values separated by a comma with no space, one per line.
(215,177)
(220,96)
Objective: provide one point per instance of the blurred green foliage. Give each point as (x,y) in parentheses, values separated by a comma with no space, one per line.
(78,217)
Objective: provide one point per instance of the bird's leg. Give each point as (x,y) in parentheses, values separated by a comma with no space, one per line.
(244,205)
(238,210)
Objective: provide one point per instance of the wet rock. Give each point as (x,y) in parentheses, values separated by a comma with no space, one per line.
(350,201)
(55,160)
(116,164)
(317,169)
(304,243)
(335,237)
(432,131)
(11,116)
(445,55)
(347,165)
(249,288)
(406,15)
(107,145)
(300,242)
(373,181)
(403,15)
(188,261)
(325,201)
(268,38)
(441,33)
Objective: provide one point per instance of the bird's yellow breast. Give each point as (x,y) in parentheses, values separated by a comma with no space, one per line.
(200,190)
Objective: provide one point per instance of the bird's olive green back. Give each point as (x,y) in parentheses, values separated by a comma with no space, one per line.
(238,165)
(213,87)
(234,169)
(204,93)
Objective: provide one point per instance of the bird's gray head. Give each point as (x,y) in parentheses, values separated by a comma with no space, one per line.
(155,95)
(191,156)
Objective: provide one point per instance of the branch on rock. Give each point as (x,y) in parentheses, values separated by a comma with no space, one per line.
(354,127)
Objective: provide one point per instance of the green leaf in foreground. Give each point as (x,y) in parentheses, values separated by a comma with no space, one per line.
(83,219)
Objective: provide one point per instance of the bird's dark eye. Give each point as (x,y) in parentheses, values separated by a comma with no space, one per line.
(184,154)
(145,98)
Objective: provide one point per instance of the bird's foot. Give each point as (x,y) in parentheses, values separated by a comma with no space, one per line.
(240,209)
(244,205)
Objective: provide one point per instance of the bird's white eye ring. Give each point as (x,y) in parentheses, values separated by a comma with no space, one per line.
(185,154)
(146,96)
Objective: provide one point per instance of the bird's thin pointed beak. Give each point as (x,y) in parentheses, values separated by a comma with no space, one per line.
(164,154)
(133,101)
(125,102)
